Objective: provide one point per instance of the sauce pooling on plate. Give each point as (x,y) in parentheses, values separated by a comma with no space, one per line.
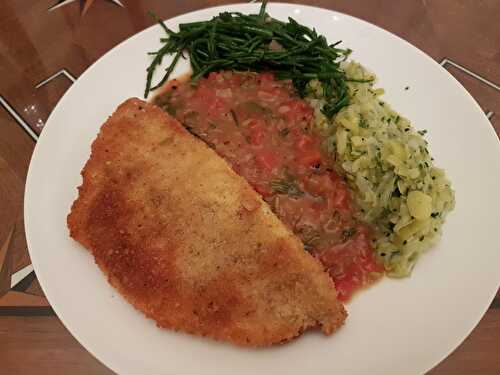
(263,129)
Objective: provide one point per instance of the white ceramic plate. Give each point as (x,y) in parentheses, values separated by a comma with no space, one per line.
(396,327)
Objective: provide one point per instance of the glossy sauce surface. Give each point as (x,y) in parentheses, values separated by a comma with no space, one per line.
(263,129)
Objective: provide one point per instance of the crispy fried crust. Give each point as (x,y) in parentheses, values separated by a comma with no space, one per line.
(188,242)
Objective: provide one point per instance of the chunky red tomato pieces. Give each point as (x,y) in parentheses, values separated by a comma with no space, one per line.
(263,129)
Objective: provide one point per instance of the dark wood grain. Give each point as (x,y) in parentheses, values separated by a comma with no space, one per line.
(479,352)
(45,347)
(41,345)
(15,152)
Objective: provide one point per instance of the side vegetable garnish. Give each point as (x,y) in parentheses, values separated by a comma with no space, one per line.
(389,167)
(257,42)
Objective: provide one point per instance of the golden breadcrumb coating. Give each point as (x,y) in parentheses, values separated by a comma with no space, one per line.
(188,242)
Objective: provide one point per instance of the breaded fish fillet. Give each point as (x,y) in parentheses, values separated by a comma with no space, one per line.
(188,242)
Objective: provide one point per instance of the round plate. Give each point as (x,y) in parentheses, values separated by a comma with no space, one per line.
(396,327)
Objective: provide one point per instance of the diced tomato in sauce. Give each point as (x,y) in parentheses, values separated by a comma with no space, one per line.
(263,129)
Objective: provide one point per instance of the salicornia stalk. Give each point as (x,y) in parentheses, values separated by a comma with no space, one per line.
(257,42)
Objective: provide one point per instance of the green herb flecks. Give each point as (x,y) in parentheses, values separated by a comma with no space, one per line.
(362,122)
(348,233)
(309,237)
(235,118)
(257,42)
(284,132)
(286,186)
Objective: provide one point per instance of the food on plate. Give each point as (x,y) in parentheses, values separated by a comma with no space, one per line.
(253,78)
(388,165)
(263,129)
(189,242)
(256,42)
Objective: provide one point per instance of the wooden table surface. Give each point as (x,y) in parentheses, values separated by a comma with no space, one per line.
(43,51)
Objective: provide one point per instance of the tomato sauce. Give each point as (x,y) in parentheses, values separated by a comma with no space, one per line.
(263,129)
